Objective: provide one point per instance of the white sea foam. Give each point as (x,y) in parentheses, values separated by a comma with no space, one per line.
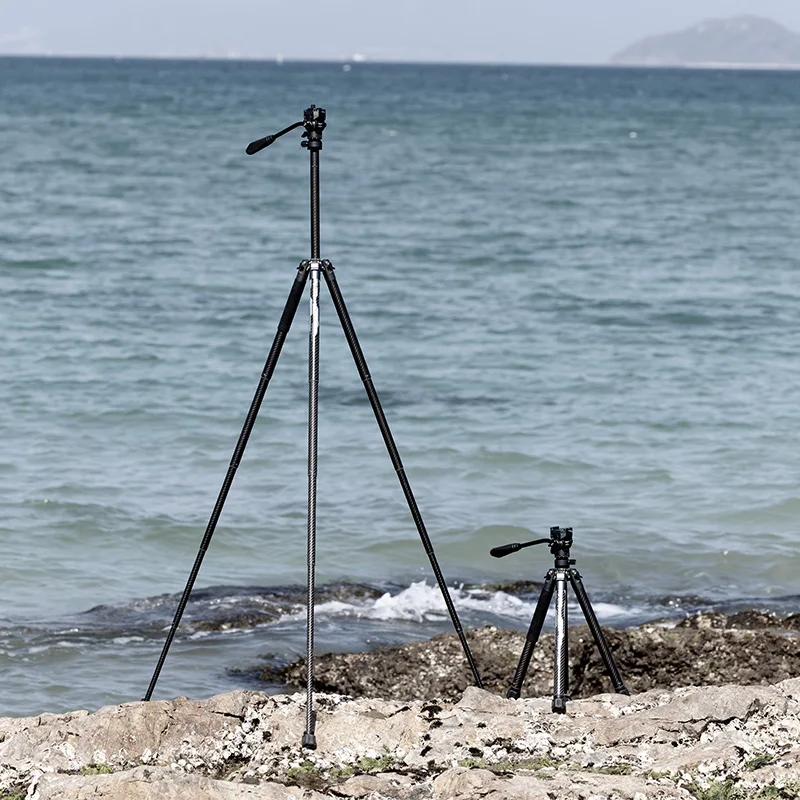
(422,602)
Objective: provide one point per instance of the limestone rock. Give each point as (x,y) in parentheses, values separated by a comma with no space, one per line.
(682,743)
(147,783)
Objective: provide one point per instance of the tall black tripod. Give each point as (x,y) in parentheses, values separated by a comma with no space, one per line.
(314,123)
(560,542)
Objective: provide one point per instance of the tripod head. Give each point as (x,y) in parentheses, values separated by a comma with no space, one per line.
(314,123)
(560,542)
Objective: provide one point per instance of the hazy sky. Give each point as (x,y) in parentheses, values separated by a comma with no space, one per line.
(523,31)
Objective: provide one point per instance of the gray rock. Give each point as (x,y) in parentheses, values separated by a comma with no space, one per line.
(461,784)
(689,712)
(391,785)
(659,744)
(148,783)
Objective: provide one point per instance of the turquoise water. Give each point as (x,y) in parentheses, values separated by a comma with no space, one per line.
(577,291)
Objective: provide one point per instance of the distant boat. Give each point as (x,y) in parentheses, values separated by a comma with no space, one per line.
(279,59)
(358,57)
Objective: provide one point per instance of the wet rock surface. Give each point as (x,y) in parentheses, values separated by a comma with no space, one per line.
(728,742)
(705,649)
(249,608)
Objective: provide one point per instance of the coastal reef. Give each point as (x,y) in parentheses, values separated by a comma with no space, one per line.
(714,715)
(728,742)
(749,647)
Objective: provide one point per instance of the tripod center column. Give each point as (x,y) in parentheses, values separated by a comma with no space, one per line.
(314,124)
(561,659)
(315,244)
(309,740)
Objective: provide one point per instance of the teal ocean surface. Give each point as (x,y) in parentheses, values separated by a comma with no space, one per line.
(577,290)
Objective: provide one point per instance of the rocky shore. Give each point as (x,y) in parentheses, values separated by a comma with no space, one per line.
(750,647)
(428,739)
(712,742)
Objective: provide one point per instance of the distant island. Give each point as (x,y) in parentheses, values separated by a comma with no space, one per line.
(739,41)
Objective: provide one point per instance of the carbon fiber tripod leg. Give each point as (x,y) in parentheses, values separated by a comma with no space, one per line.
(284,325)
(534,631)
(597,633)
(372,394)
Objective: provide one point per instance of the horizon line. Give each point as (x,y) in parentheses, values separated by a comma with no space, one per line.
(355,58)
(362,61)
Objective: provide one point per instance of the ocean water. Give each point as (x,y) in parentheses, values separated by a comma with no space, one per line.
(577,290)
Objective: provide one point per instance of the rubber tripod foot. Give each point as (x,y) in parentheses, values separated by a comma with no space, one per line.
(309,741)
(560,705)
(512,694)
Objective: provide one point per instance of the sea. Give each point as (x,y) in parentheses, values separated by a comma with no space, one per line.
(577,290)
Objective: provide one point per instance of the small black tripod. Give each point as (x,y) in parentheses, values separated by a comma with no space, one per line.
(314,124)
(556,579)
